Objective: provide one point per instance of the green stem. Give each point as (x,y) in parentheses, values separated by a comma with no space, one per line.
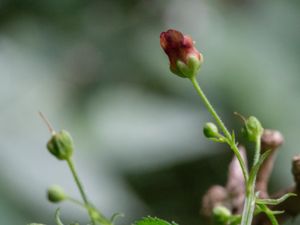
(222,126)
(210,107)
(249,205)
(269,214)
(257,150)
(77,202)
(81,190)
(272,218)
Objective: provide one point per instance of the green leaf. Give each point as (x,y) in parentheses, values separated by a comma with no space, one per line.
(275,201)
(153,221)
(57,217)
(256,167)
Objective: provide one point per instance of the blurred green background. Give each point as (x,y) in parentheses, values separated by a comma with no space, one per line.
(96,69)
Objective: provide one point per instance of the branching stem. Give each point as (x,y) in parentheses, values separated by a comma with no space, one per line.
(220,123)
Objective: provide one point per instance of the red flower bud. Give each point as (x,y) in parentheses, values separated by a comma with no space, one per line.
(185,60)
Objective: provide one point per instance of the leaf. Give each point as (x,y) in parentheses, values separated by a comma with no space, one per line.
(153,221)
(256,167)
(57,217)
(275,201)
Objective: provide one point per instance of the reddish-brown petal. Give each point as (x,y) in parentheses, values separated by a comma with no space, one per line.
(178,47)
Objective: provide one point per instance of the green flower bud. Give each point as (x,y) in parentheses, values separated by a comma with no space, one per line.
(252,129)
(56,194)
(210,130)
(61,145)
(221,214)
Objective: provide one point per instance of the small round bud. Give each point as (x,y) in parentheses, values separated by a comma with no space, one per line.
(252,129)
(221,214)
(56,194)
(210,130)
(61,145)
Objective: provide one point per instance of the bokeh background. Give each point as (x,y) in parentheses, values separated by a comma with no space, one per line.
(96,69)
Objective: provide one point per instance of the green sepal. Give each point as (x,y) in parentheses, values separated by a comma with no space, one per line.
(190,68)
(252,129)
(219,140)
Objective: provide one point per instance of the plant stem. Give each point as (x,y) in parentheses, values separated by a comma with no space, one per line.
(76,202)
(210,107)
(249,205)
(257,150)
(270,215)
(222,126)
(81,190)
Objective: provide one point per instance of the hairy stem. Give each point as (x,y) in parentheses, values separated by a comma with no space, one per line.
(222,126)
(249,205)
(81,190)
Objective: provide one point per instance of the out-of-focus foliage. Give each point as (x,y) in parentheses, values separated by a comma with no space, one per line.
(96,69)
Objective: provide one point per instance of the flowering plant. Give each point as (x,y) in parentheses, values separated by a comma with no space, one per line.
(244,200)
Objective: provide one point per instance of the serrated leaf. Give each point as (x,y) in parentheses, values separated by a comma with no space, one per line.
(153,221)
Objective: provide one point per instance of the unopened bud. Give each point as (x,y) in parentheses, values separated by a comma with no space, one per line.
(56,194)
(61,145)
(185,59)
(210,130)
(221,214)
(252,129)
